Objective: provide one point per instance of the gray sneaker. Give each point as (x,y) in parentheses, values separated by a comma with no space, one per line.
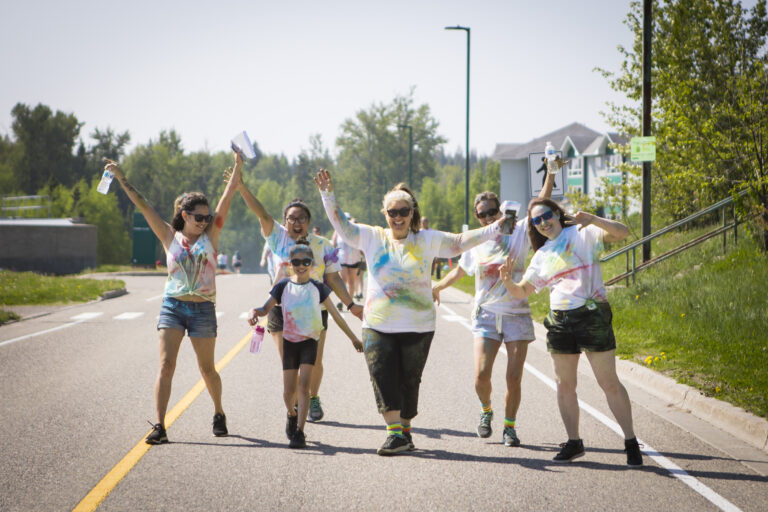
(315,409)
(484,427)
(509,438)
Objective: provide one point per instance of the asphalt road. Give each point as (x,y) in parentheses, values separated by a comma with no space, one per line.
(77,391)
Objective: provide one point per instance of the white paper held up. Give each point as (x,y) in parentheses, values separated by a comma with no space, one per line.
(242,144)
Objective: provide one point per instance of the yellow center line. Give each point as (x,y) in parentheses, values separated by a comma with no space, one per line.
(94,498)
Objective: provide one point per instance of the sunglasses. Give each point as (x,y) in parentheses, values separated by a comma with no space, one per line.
(487,213)
(296,262)
(399,212)
(199,217)
(541,218)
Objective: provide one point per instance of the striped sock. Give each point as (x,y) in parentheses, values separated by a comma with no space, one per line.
(395,429)
(486,407)
(407,429)
(509,422)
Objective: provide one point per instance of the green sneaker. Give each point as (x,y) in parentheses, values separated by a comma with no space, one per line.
(509,437)
(315,409)
(484,427)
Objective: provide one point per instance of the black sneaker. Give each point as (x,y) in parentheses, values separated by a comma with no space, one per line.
(158,435)
(484,427)
(509,438)
(394,444)
(411,446)
(298,440)
(291,425)
(632,448)
(573,449)
(219,425)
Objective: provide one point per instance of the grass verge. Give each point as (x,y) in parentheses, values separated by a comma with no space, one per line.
(29,288)
(699,317)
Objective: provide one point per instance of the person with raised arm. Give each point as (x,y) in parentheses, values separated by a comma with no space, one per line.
(190,241)
(567,261)
(280,239)
(497,317)
(399,315)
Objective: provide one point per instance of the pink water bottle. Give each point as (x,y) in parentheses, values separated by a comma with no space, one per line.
(258,336)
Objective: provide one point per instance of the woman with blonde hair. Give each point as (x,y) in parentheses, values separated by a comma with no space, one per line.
(399,315)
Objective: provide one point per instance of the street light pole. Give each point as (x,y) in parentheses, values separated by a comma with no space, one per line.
(410,153)
(466,170)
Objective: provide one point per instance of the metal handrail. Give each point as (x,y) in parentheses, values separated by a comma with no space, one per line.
(635,268)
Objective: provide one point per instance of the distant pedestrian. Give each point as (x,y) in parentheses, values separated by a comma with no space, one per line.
(300,298)
(268,261)
(221,261)
(190,241)
(567,261)
(399,318)
(237,262)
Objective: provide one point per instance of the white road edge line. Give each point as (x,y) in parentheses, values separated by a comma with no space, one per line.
(78,321)
(155,297)
(661,460)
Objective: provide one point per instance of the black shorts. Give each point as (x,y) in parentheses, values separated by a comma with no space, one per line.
(590,330)
(275,320)
(296,353)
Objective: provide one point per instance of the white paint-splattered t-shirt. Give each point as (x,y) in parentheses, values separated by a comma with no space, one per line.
(569,266)
(399,290)
(484,262)
(302,317)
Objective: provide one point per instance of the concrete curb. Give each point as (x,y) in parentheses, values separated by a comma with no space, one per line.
(737,422)
(111,294)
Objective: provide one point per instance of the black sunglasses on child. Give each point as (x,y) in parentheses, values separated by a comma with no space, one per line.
(199,217)
(487,213)
(303,261)
(399,212)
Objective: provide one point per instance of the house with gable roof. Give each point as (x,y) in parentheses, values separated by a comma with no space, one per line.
(591,159)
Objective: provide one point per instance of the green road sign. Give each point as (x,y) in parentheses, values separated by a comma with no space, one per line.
(643,149)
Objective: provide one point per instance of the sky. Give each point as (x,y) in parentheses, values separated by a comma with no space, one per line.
(284,71)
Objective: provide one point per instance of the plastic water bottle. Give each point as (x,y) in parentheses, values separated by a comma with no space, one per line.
(549,154)
(106,181)
(256,339)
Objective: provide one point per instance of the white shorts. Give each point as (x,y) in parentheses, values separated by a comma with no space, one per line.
(506,328)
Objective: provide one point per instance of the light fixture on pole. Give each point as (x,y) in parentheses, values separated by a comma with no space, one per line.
(466,170)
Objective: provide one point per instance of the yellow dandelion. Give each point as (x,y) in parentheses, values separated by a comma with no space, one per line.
(649,360)
(717,389)
(663,357)
(663,353)
(682,315)
(656,359)
(637,297)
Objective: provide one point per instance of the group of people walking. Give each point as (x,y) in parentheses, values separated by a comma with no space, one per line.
(398,318)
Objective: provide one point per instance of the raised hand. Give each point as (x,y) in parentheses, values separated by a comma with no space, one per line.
(506,270)
(323,181)
(113,167)
(583,219)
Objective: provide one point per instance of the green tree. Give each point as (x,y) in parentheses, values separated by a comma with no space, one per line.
(45,147)
(709,102)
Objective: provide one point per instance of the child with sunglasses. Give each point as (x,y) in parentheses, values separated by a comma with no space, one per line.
(567,261)
(300,298)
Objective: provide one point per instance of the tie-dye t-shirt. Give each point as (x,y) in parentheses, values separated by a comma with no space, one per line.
(191,269)
(324,253)
(484,262)
(399,290)
(302,317)
(569,266)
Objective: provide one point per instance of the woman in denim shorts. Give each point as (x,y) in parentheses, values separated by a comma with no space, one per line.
(567,261)
(497,317)
(399,318)
(191,242)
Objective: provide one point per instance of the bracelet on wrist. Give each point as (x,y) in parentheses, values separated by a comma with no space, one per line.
(351,305)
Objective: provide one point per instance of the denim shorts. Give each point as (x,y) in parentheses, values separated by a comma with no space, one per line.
(588,328)
(198,319)
(506,328)
(275,319)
